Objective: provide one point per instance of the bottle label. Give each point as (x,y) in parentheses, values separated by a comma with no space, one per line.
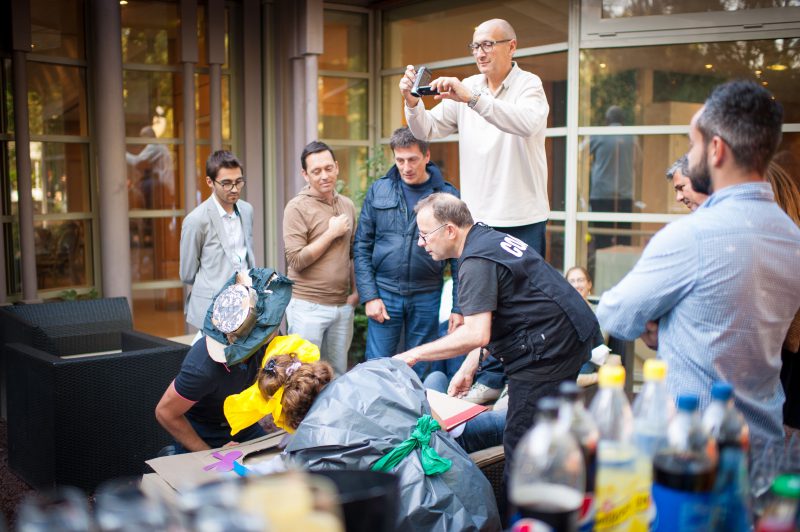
(682,510)
(586,519)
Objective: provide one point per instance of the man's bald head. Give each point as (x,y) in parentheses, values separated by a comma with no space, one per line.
(503,28)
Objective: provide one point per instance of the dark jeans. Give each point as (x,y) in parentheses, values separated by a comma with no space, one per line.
(610,205)
(448,366)
(491,372)
(217,436)
(481,432)
(415,315)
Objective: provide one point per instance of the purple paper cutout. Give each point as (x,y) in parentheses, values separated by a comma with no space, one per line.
(226,461)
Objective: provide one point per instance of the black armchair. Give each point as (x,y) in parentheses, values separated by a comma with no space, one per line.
(77,418)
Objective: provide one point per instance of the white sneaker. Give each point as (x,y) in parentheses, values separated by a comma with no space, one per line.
(481,394)
(502,401)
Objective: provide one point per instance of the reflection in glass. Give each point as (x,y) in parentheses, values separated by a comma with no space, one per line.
(226,107)
(202,107)
(63,253)
(150,33)
(7,97)
(60,177)
(155,248)
(445,156)
(658,85)
(342,108)
(352,172)
(151,176)
(555,244)
(57,28)
(150,101)
(556,153)
(634,8)
(609,265)
(56,99)
(159,311)
(627,173)
(413,34)
(202,152)
(345,46)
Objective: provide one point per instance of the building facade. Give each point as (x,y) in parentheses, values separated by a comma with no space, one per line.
(111,107)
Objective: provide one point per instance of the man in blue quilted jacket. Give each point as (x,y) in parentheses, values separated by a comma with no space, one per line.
(398,283)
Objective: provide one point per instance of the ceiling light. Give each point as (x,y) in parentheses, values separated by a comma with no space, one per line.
(123,2)
(777,67)
(602,65)
(709,66)
(758,72)
(764,83)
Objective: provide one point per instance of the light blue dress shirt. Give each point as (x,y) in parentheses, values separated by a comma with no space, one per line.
(724,285)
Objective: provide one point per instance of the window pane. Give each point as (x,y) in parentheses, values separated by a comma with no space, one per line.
(342,108)
(150,33)
(151,176)
(11,246)
(56,99)
(202,107)
(159,311)
(60,175)
(7,98)
(345,46)
(63,253)
(155,248)
(610,252)
(352,172)
(226,107)
(556,153)
(152,101)
(636,8)
(57,28)
(415,34)
(626,173)
(202,152)
(555,244)
(657,85)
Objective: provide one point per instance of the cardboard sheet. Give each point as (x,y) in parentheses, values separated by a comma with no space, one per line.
(452,411)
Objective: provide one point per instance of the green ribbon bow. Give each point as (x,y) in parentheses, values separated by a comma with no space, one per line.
(432,463)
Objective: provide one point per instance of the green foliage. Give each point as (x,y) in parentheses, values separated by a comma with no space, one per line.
(359,345)
(375,167)
(614,89)
(681,87)
(72,295)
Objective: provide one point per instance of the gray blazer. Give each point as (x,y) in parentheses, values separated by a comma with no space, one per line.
(207,258)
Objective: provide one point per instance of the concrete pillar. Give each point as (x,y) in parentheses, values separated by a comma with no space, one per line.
(189,59)
(21,43)
(109,143)
(216,58)
(253,152)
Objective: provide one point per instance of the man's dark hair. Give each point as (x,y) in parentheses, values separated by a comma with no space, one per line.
(748,118)
(221,159)
(681,164)
(404,138)
(447,209)
(314,147)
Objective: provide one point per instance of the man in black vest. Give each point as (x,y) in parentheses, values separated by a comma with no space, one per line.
(516,307)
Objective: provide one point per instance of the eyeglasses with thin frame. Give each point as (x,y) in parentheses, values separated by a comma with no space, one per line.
(486,46)
(227,186)
(424,237)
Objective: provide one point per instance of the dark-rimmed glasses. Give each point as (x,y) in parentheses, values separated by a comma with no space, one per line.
(227,186)
(424,237)
(486,46)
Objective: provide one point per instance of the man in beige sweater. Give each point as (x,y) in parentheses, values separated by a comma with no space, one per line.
(318,229)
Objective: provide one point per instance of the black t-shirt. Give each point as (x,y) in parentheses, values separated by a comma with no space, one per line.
(210,383)
(482,283)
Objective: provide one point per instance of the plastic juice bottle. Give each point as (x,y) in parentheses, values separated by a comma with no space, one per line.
(652,411)
(617,475)
(576,419)
(726,426)
(547,474)
(684,474)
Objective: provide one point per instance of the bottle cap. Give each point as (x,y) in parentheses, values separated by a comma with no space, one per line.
(721,390)
(787,485)
(688,403)
(548,407)
(611,376)
(654,369)
(569,390)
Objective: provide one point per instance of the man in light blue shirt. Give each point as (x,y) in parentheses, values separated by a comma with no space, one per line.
(715,292)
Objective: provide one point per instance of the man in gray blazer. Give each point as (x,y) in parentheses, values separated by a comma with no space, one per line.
(217,236)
